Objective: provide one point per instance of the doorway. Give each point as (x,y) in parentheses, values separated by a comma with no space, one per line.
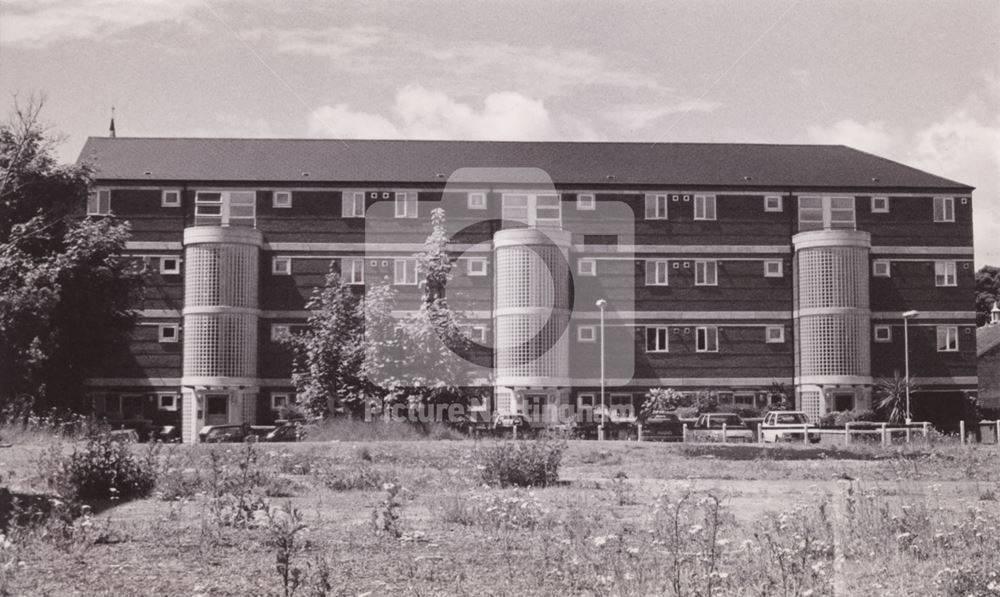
(843,401)
(216,409)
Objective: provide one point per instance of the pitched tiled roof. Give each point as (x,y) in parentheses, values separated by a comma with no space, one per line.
(987,338)
(355,161)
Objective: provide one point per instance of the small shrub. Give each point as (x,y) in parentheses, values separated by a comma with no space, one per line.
(514,511)
(523,464)
(362,476)
(387,513)
(838,419)
(284,525)
(103,469)
(624,492)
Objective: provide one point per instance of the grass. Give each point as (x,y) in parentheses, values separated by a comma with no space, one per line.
(624,518)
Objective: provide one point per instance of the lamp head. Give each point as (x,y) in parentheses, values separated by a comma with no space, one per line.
(910,314)
(601,304)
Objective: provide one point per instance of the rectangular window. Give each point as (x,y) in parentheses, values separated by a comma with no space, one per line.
(945,273)
(585,202)
(166,401)
(548,211)
(99,203)
(280,331)
(225,208)
(657,339)
(170,198)
(775,334)
(281,199)
(354,270)
(947,338)
(706,273)
(883,333)
(810,213)
(352,204)
(170,265)
(475,266)
(586,333)
(585,401)
(772,203)
(819,213)
(281,266)
(656,207)
(880,205)
(841,212)
(515,208)
(944,209)
(477,333)
(281,400)
(707,339)
(773,268)
(881,268)
(656,272)
(406,205)
(405,272)
(477,200)
(704,207)
(586,267)
(169,332)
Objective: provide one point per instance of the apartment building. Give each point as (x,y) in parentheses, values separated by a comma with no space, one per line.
(727,268)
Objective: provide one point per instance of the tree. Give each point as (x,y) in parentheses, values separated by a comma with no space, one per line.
(890,394)
(660,399)
(987,292)
(66,292)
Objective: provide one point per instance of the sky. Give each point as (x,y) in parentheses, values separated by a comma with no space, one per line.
(917,82)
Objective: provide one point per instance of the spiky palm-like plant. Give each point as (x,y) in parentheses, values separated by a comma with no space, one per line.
(891,396)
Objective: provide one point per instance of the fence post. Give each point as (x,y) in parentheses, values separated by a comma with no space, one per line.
(760,432)
(514,431)
(723,432)
(638,435)
(961,431)
(907,433)
(847,434)
(996,436)
(927,438)
(684,433)
(805,434)
(884,437)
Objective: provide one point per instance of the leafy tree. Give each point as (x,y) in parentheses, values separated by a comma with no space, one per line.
(66,292)
(890,394)
(987,292)
(785,396)
(661,399)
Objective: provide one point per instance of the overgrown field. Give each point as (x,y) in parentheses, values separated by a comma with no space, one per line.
(433,518)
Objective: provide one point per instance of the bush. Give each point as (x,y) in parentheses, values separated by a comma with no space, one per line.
(524,464)
(745,411)
(838,419)
(103,469)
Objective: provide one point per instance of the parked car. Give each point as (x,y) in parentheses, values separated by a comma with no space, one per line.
(168,434)
(469,424)
(213,434)
(285,431)
(662,426)
(788,425)
(504,425)
(709,427)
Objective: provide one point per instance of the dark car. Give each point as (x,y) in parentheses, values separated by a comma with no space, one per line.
(508,425)
(469,424)
(215,434)
(662,426)
(285,431)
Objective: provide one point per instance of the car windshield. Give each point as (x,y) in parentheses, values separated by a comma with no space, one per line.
(661,417)
(716,421)
(791,419)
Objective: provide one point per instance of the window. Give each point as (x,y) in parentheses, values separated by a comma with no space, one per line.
(775,334)
(475,266)
(405,272)
(548,210)
(883,333)
(881,268)
(706,273)
(477,333)
(170,265)
(656,272)
(947,338)
(354,270)
(772,203)
(657,339)
(280,332)
(99,203)
(477,200)
(819,213)
(515,207)
(586,333)
(585,401)
(586,267)
(944,209)
(880,205)
(166,401)
(352,205)
(707,339)
(280,400)
(944,273)
(225,208)
(773,268)
(656,207)
(585,202)
(281,199)
(169,332)
(170,198)
(704,207)
(406,205)
(281,266)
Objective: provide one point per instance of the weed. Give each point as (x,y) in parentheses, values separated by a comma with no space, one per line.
(532,463)
(387,513)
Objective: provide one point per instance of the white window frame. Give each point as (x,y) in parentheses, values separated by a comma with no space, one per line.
(770,271)
(949,335)
(585,202)
(704,208)
(174,401)
(404,271)
(702,270)
(476,200)
(478,333)
(773,207)
(99,203)
(176,269)
(286,400)
(882,268)
(944,209)
(660,338)
(827,210)
(170,198)
(887,338)
(654,269)
(354,267)
(530,209)
(281,199)
(586,266)
(880,204)
(774,339)
(580,402)
(280,331)
(476,266)
(352,204)
(705,338)
(163,337)
(654,201)
(586,333)
(228,208)
(945,273)
(281,266)
(406,205)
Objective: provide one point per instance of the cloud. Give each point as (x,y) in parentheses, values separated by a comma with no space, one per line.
(872,137)
(642,115)
(420,113)
(331,42)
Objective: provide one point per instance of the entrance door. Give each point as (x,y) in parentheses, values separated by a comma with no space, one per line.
(843,401)
(216,409)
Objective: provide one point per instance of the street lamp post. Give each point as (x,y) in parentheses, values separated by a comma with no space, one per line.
(907,316)
(601,304)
